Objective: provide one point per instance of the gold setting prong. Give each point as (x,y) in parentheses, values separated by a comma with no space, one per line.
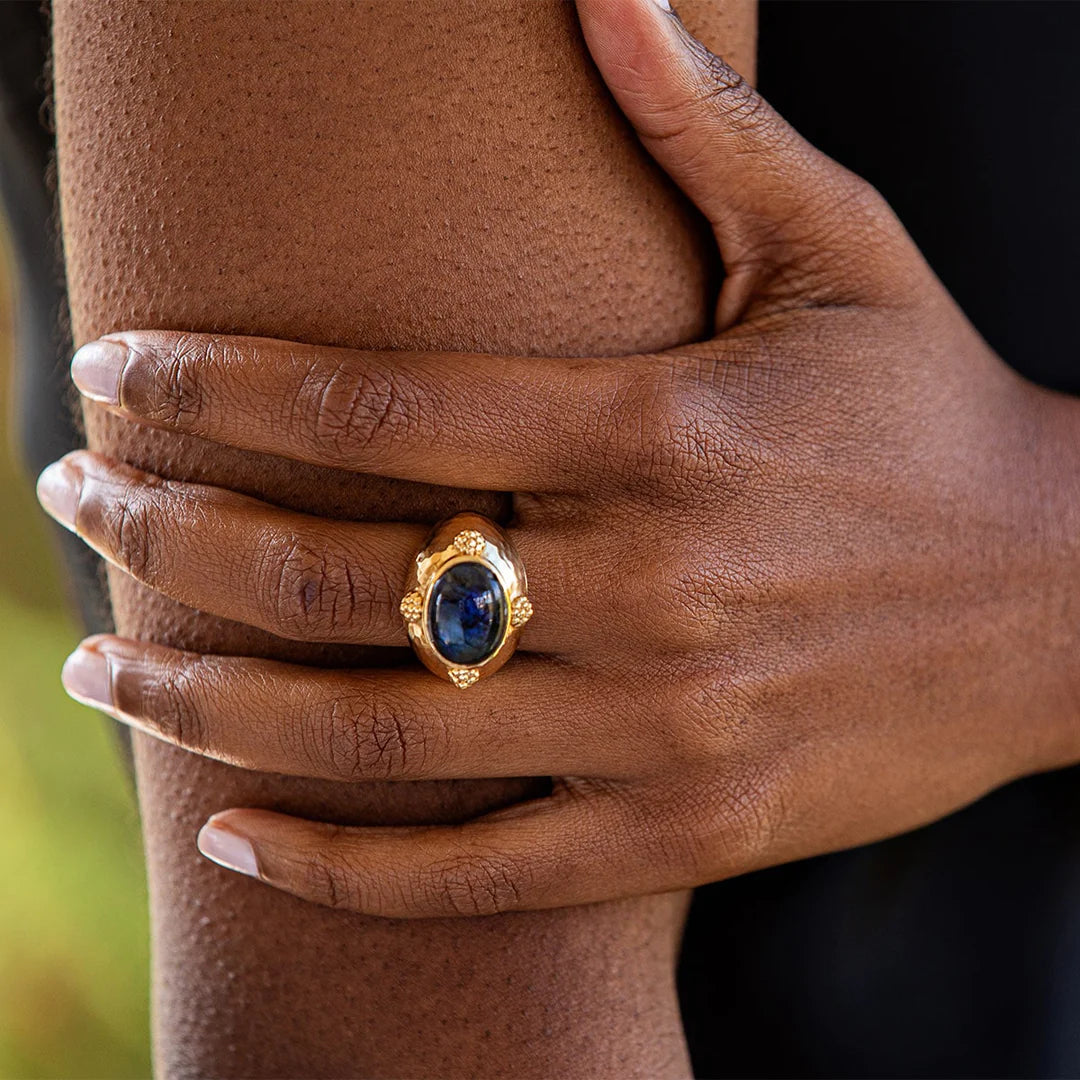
(521,611)
(412,607)
(463,678)
(470,542)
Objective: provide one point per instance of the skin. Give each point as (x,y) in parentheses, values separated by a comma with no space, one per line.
(196,192)
(852,534)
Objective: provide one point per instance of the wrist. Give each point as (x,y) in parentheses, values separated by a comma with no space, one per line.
(1046,531)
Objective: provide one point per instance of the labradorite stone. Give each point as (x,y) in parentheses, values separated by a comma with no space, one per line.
(467,613)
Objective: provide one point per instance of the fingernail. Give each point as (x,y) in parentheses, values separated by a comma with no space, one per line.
(663,5)
(96,369)
(228,849)
(58,492)
(86,677)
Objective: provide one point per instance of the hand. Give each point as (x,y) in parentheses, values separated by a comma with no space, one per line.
(797,588)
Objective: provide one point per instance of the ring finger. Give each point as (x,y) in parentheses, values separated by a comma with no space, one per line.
(294,575)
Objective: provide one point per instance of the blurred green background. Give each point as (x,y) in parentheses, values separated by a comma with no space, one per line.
(73,925)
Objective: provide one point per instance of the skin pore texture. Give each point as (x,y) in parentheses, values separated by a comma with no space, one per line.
(394,175)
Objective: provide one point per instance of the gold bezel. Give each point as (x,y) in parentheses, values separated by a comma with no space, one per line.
(465,538)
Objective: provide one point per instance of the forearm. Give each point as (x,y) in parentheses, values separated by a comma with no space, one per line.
(422,176)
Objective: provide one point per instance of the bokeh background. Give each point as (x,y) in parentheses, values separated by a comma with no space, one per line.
(73,926)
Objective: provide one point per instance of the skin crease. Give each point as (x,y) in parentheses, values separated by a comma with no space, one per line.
(421,175)
(867,621)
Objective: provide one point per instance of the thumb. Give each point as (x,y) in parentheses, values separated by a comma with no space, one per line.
(792,225)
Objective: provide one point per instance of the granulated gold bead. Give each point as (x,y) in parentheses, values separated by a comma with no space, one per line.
(521,611)
(463,678)
(412,607)
(470,542)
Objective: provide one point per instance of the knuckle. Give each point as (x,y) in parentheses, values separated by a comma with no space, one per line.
(689,443)
(854,204)
(332,881)
(368,740)
(702,449)
(313,590)
(619,424)
(742,817)
(681,619)
(657,460)
(345,410)
(708,590)
(129,522)
(173,701)
(719,92)
(473,883)
(650,458)
(725,91)
(691,594)
(856,249)
(175,396)
(862,201)
(704,711)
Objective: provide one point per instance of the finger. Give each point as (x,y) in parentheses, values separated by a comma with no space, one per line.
(537,718)
(462,420)
(786,216)
(569,849)
(291,574)
(294,575)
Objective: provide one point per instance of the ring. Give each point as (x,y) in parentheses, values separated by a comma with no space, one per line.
(466,600)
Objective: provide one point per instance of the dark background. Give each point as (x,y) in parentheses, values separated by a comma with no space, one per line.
(953,951)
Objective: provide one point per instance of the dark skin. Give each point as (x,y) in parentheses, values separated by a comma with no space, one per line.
(801,587)
(196,191)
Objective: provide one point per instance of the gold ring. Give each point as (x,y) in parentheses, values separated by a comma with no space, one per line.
(466,600)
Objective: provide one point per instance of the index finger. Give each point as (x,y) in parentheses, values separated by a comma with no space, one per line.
(455,419)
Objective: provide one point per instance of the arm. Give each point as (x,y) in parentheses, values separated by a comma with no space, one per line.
(437,175)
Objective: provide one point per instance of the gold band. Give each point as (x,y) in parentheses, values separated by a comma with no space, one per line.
(466,600)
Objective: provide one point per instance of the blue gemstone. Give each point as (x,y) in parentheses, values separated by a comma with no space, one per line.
(467,613)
